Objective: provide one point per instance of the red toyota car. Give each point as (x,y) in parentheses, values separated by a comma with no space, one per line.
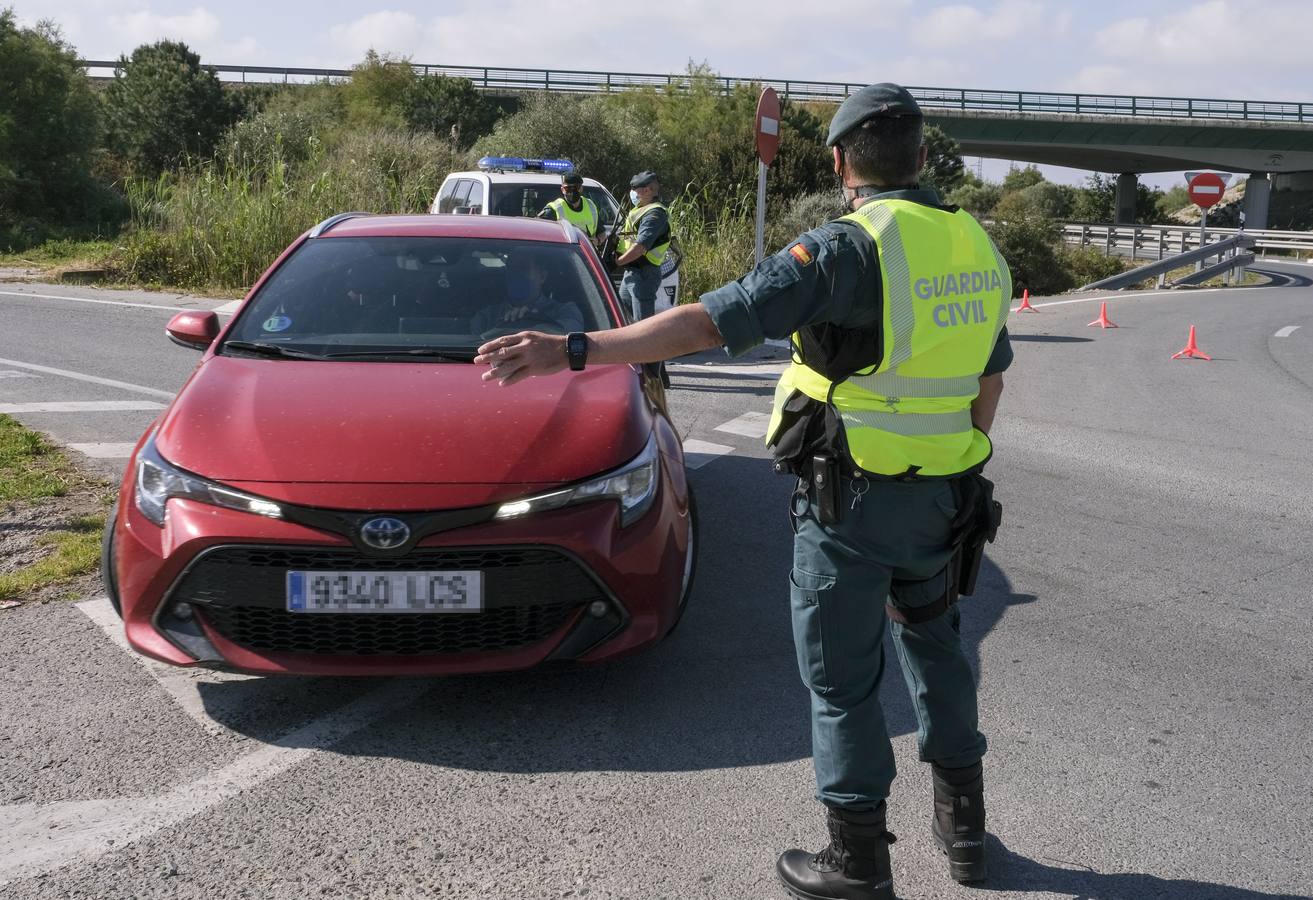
(336,491)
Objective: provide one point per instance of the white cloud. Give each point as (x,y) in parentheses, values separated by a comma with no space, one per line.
(963,25)
(143,27)
(386,31)
(1217,31)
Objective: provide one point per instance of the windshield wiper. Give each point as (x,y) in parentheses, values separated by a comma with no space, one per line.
(263,349)
(448,355)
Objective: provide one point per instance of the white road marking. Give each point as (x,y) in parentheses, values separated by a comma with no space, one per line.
(228,308)
(182,685)
(92,379)
(104,451)
(1287,331)
(698,453)
(40,838)
(1128,296)
(14,373)
(750,424)
(102,302)
(763,370)
(78,406)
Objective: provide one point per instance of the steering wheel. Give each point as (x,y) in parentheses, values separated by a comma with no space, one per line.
(525,324)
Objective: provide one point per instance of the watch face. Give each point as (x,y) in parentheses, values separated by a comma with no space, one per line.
(577,344)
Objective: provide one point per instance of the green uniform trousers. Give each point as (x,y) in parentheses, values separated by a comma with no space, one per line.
(891,547)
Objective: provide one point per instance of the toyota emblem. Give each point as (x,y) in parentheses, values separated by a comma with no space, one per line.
(385,533)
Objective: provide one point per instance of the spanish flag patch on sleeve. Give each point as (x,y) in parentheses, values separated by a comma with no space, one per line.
(799,252)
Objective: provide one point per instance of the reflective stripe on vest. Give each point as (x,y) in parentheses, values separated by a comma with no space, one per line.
(655,255)
(946,294)
(585,219)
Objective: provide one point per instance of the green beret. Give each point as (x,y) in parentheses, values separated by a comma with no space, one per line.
(884,100)
(642,178)
(572,178)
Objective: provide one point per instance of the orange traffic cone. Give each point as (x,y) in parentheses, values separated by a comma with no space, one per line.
(1025,302)
(1191,350)
(1103,321)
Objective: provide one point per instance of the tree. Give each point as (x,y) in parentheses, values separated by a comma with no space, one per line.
(1054,201)
(943,166)
(1020,179)
(48,130)
(376,94)
(1028,241)
(604,142)
(448,107)
(977,197)
(1097,200)
(163,108)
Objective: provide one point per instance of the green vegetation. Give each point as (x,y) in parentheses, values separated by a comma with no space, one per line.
(215,180)
(31,469)
(76,551)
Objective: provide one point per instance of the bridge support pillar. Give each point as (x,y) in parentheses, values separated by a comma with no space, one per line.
(1257,194)
(1128,189)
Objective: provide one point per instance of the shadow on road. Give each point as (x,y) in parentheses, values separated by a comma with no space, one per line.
(1013,872)
(1048,338)
(722,691)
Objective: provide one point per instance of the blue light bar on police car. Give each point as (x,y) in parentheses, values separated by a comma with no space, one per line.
(520,164)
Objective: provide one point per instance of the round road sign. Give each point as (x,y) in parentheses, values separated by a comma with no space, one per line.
(768,125)
(1206,189)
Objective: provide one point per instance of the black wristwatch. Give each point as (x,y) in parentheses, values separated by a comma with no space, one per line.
(576,350)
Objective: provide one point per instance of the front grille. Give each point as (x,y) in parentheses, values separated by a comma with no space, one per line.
(528,594)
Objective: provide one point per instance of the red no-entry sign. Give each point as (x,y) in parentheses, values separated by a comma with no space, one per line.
(768,125)
(1206,189)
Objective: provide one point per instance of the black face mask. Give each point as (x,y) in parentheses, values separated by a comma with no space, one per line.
(572,196)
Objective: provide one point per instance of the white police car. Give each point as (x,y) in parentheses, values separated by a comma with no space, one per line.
(517,186)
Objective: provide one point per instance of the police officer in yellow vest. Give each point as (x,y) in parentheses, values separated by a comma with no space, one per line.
(896,314)
(643,244)
(573,207)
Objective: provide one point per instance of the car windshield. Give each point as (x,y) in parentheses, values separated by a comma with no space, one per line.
(529,199)
(368,295)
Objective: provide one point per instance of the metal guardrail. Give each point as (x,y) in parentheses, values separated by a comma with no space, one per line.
(1156,241)
(960,99)
(1237,259)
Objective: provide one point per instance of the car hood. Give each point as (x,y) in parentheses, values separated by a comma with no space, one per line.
(336,423)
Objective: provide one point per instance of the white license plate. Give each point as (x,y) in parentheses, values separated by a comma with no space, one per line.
(384,592)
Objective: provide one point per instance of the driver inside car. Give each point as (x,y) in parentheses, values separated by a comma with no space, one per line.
(529,302)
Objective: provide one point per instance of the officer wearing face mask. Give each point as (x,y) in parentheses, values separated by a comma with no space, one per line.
(644,243)
(573,207)
(896,314)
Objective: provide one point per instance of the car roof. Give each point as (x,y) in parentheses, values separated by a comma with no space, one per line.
(513,228)
(520,177)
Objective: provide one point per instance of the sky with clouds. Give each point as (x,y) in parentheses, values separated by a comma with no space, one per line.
(1233,49)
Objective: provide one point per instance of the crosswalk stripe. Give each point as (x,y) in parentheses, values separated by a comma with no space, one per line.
(104,450)
(79,406)
(750,424)
(698,453)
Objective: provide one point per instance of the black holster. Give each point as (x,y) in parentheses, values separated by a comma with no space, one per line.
(976,524)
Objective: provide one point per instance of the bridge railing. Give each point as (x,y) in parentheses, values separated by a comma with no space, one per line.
(801,90)
(1160,241)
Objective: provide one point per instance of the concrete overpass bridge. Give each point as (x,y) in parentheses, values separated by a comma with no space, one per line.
(1126,135)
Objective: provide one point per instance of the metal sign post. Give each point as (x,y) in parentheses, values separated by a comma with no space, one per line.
(1205,189)
(768,144)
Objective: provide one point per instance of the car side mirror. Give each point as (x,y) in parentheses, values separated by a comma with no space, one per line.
(193,330)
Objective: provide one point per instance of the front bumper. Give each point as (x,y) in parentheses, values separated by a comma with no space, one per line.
(209,589)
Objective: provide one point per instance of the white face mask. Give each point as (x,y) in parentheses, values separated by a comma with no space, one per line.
(633,197)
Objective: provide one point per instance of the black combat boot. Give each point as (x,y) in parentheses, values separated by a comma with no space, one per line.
(959,822)
(855,866)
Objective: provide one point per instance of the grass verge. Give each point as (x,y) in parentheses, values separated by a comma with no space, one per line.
(60,256)
(54,515)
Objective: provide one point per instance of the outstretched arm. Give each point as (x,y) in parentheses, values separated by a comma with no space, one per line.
(675,332)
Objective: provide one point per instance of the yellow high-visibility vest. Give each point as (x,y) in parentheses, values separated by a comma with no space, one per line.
(629,231)
(947,293)
(585,219)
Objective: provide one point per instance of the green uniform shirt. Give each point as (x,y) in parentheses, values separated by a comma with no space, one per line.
(834,277)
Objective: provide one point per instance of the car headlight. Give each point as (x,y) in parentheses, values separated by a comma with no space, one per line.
(633,486)
(158,480)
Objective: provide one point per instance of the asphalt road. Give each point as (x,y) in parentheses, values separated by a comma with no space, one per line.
(1141,635)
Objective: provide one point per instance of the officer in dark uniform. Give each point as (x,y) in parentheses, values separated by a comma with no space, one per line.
(896,313)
